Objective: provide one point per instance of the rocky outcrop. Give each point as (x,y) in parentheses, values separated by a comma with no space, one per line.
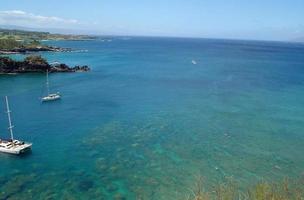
(35,64)
(24,50)
(65,68)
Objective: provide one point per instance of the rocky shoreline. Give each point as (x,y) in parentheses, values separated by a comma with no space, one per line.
(35,64)
(25,50)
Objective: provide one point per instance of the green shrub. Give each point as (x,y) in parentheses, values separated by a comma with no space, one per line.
(8,44)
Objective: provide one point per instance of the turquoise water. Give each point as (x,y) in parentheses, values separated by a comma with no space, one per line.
(145,122)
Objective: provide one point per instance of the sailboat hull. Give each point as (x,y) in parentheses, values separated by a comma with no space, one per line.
(16,147)
(13,146)
(51,97)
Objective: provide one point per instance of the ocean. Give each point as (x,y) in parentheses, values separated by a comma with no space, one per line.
(146,121)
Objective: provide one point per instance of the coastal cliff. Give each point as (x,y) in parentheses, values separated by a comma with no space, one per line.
(35,64)
(10,46)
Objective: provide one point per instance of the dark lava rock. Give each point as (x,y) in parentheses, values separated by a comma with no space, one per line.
(34,64)
(24,50)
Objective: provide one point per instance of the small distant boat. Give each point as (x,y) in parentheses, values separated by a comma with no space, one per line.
(50,96)
(194,62)
(13,146)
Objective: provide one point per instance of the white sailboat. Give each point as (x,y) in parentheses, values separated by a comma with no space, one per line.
(12,145)
(50,96)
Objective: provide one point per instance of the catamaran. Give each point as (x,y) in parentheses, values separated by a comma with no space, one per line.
(50,96)
(12,145)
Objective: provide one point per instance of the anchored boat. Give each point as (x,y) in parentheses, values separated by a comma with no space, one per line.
(50,96)
(12,145)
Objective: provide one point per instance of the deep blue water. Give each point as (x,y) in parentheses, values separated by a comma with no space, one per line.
(145,122)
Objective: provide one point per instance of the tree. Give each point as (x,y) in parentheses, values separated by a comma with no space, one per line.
(36,60)
(34,43)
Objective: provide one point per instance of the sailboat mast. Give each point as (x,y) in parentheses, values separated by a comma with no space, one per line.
(9,119)
(47,82)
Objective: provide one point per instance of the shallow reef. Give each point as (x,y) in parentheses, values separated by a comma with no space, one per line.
(154,158)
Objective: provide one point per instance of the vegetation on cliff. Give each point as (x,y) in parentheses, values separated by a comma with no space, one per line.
(18,41)
(22,35)
(11,46)
(6,44)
